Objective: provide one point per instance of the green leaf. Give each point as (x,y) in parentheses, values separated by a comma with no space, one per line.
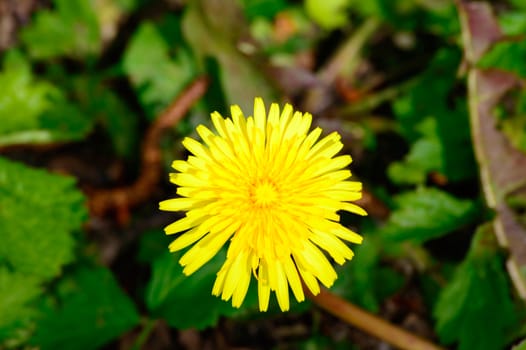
(156,75)
(90,310)
(453,130)
(506,55)
(71,29)
(16,291)
(186,301)
(513,23)
(433,152)
(364,279)
(152,244)
(521,346)
(476,308)
(215,29)
(128,5)
(98,100)
(34,111)
(428,213)
(441,126)
(22,99)
(438,17)
(263,8)
(428,96)
(64,121)
(328,14)
(518,4)
(424,156)
(354,278)
(511,117)
(38,212)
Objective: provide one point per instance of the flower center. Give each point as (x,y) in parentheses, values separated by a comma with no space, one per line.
(264,194)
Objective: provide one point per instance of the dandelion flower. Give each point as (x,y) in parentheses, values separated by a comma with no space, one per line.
(273,190)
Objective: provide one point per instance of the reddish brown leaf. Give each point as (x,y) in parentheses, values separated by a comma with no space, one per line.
(502,167)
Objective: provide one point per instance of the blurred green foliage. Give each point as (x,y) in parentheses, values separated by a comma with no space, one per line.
(507,56)
(33,110)
(329,14)
(436,122)
(428,213)
(171,294)
(17,290)
(368,281)
(38,213)
(477,299)
(83,79)
(156,84)
(71,29)
(90,306)
(51,207)
(511,118)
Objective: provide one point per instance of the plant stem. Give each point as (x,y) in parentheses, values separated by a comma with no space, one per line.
(348,56)
(345,60)
(370,323)
(372,101)
(148,326)
(120,199)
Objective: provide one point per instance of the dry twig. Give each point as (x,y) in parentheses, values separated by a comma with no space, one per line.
(369,323)
(120,199)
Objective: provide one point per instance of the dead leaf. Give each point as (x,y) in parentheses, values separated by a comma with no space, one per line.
(502,167)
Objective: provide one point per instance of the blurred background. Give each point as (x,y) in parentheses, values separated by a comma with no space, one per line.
(96,95)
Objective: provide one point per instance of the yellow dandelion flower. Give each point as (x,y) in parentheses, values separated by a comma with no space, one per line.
(267,185)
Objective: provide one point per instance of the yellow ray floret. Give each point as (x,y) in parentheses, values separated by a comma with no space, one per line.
(272,190)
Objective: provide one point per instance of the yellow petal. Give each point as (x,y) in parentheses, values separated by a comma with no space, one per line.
(347,234)
(282,286)
(259,114)
(235,272)
(220,279)
(293,278)
(353,208)
(182,224)
(315,262)
(180,165)
(203,251)
(332,245)
(187,239)
(177,204)
(310,281)
(219,124)
(196,148)
(263,288)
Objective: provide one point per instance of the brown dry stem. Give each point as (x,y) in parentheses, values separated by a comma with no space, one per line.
(369,323)
(120,199)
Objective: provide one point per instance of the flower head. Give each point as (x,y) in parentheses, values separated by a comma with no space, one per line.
(271,188)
